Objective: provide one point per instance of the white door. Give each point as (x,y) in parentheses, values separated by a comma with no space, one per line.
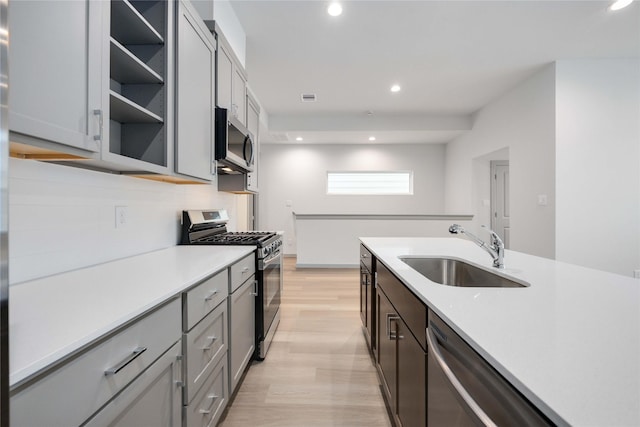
(500,222)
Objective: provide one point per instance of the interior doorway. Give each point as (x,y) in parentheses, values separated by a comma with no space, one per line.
(500,221)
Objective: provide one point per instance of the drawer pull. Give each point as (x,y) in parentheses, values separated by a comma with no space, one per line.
(211,397)
(244,270)
(133,356)
(211,295)
(213,339)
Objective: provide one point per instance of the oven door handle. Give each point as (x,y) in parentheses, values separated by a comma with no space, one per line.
(272,259)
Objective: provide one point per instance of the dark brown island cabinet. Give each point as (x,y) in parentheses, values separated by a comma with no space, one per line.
(368,296)
(397,321)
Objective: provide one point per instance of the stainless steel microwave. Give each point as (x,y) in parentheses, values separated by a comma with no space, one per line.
(234,144)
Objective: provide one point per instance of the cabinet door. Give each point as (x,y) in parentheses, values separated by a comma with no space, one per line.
(195,96)
(224,70)
(153,399)
(364,284)
(239,96)
(387,354)
(242,324)
(55,68)
(253,124)
(412,379)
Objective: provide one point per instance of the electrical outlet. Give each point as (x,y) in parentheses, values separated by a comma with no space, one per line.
(122,215)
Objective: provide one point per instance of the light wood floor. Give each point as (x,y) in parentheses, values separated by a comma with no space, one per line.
(318,371)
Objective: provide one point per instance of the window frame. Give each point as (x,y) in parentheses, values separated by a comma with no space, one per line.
(408,173)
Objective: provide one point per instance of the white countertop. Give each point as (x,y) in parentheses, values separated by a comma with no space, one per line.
(570,342)
(53,317)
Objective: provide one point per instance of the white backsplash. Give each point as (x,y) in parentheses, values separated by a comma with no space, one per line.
(63,218)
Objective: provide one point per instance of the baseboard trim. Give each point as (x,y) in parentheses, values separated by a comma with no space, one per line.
(327,265)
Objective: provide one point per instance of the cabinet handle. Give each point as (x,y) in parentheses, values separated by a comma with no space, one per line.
(211,338)
(365,256)
(393,335)
(211,397)
(98,113)
(244,270)
(211,295)
(391,317)
(255,288)
(133,356)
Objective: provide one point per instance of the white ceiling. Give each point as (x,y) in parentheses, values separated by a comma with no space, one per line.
(450,57)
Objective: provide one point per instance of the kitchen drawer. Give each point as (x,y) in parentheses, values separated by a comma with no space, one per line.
(204,297)
(203,347)
(92,378)
(153,399)
(241,271)
(408,306)
(207,406)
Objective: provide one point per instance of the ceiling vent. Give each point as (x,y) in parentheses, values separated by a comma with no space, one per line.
(308,97)
(278,137)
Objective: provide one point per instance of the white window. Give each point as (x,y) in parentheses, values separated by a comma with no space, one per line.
(370,183)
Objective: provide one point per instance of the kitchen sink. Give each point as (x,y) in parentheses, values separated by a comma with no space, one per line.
(454,272)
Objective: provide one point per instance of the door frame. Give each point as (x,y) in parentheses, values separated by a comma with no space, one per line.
(494,193)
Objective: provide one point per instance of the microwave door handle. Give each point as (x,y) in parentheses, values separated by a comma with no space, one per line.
(247,143)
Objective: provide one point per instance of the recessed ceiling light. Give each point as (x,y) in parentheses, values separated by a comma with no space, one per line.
(299,138)
(335,9)
(372,138)
(395,88)
(620,4)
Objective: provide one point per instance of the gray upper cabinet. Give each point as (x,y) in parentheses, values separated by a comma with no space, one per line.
(94,79)
(195,95)
(253,124)
(224,70)
(137,120)
(239,95)
(56,71)
(231,80)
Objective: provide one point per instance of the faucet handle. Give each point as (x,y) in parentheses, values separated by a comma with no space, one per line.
(495,238)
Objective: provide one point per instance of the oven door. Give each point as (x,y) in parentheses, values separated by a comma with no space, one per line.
(269,291)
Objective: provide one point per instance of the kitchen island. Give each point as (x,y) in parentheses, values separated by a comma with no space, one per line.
(569,342)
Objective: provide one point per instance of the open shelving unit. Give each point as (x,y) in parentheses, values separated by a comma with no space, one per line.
(137,95)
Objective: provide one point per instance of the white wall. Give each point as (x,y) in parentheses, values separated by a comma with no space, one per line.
(298,173)
(63,218)
(523,122)
(231,27)
(598,164)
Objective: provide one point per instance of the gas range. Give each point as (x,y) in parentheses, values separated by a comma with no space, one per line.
(209,227)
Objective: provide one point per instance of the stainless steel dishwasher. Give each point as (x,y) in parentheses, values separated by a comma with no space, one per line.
(464,390)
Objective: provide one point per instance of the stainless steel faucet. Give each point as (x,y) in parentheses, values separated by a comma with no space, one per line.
(495,249)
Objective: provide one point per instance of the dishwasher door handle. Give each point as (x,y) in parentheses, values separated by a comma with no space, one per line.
(458,387)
